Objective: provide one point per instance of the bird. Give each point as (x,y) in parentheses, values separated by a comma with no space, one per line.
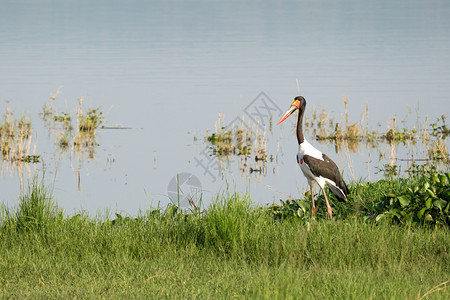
(315,165)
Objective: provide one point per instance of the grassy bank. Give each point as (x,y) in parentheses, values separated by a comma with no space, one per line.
(232,250)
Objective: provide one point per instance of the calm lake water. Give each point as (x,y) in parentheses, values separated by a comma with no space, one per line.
(166,69)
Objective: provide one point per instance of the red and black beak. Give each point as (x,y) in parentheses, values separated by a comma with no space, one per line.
(294,106)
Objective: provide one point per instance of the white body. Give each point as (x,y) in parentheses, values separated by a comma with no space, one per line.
(308,149)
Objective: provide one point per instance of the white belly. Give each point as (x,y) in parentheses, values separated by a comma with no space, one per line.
(305,169)
(307,149)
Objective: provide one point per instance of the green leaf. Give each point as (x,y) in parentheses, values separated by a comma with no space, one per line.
(380,218)
(404,201)
(435,177)
(396,213)
(440,203)
(421,212)
(445,194)
(430,192)
(304,205)
(444,180)
(425,187)
(171,211)
(428,203)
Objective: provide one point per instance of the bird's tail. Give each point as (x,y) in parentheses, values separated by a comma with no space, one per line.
(340,190)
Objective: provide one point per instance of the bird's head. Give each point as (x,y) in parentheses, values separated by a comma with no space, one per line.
(299,101)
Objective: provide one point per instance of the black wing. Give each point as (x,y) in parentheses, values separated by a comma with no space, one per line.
(328,169)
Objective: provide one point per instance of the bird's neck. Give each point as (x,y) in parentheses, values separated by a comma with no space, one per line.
(300,136)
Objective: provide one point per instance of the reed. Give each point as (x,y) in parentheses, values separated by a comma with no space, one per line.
(16,139)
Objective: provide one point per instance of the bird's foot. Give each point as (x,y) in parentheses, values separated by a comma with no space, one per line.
(330,213)
(313,210)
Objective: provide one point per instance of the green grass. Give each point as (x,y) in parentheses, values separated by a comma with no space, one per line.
(233,250)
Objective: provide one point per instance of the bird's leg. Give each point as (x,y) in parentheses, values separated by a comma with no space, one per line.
(330,212)
(312,199)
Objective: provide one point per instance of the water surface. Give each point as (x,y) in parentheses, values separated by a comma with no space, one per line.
(166,68)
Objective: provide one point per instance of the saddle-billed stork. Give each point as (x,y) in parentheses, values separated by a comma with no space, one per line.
(315,165)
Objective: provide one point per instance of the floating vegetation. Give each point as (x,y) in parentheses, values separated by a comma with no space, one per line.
(31,159)
(89,121)
(440,130)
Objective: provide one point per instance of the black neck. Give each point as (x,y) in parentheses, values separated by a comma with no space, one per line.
(300,137)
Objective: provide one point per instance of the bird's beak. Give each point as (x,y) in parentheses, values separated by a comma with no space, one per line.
(288,113)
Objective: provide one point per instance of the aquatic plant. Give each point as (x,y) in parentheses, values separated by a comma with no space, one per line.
(440,130)
(238,139)
(80,138)
(90,121)
(16,139)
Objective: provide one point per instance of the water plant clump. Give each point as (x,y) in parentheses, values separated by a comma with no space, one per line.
(90,121)
(80,138)
(16,139)
(65,119)
(241,139)
(238,139)
(440,130)
(31,159)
